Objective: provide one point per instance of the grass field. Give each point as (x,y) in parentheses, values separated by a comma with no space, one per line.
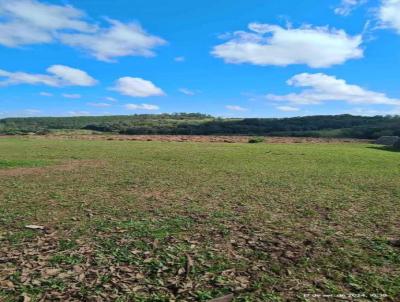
(169,221)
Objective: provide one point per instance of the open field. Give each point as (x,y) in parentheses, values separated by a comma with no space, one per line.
(170,221)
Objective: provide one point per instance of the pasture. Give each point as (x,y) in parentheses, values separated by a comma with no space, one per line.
(194,221)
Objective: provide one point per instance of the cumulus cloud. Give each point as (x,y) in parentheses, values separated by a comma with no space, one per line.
(141,107)
(267,44)
(72,76)
(118,40)
(235,108)
(347,6)
(71,95)
(137,87)
(58,76)
(389,14)
(287,108)
(26,22)
(320,88)
(14,78)
(30,22)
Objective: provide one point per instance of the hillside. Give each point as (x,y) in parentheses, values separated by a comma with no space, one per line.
(346,126)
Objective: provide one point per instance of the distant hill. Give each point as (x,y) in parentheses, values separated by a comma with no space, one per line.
(194,123)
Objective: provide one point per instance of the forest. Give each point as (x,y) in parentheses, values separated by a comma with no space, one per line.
(340,126)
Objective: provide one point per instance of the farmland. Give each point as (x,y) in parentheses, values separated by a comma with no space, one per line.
(191,221)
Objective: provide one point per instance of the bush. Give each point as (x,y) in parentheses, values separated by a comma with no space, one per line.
(396,145)
(256,140)
(43,132)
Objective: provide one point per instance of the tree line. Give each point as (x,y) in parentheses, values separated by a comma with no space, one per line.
(346,126)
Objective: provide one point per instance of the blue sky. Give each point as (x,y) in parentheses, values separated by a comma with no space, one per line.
(253,58)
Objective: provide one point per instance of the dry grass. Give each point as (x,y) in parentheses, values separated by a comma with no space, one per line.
(200,138)
(158,221)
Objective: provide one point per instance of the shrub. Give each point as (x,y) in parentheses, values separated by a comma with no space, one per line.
(43,132)
(256,140)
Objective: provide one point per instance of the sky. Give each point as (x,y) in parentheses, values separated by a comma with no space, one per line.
(242,58)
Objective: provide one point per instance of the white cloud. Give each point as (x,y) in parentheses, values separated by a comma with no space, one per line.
(389,14)
(43,93)
(187,91)
(287,108)
(99,104)
(14,78)
(26,22)
(347,6)
(267,44)
(141,107)
(179,59)
(235,108)
(72,76)
(58,76)
(32,111)
(78,113)
(323,88)
(366,112)
(71,96)
(137,87)
(118,40)
(110,99)
(30,22)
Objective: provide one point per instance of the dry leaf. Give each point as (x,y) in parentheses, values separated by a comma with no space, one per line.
(7,284)
(50,272)
(139,276)
(77,269)
(81,277)
(26,298)
(226,298)
(156,243)
(242,279)
(181,271)
(189,264)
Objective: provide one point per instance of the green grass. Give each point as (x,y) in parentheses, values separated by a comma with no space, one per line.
(21,163)
(155,221)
